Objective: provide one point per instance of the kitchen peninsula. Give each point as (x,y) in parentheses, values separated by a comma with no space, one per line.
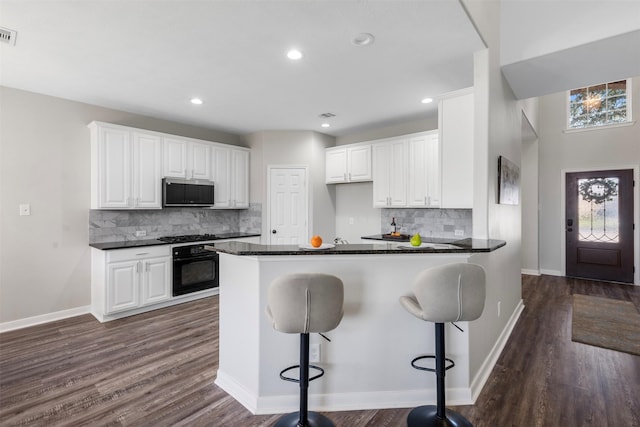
(367,362)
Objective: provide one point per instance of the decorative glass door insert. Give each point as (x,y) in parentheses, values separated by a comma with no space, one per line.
(598,210)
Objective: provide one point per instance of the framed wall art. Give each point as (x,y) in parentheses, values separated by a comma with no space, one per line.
(508,182)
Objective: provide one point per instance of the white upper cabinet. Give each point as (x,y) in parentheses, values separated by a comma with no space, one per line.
(351,163)
(406,171)
(390,174)
(125,168)
(455,123)
(147,178)
(231,177)
(424,171)
(184,158)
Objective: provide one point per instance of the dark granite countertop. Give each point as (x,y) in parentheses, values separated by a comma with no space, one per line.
(457,246)
(154,242)
(405,238)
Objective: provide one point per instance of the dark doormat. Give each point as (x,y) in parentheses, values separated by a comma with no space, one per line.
(607,323)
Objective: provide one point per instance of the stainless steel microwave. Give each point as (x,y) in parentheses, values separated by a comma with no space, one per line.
(187,192)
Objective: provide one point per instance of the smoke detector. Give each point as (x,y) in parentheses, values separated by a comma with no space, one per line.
(326,115)
(8,36)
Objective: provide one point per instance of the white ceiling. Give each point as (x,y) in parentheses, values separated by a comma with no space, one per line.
(151,57)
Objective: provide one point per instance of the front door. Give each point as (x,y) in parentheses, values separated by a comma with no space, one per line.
(599,225)
(288,206)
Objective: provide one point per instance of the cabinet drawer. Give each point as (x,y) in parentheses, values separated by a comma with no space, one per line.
(138,253)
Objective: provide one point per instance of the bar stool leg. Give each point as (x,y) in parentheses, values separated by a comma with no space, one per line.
(439,415)
(304,418)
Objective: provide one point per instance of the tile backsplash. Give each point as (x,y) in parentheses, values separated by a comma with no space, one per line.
(120,225)
(440,223)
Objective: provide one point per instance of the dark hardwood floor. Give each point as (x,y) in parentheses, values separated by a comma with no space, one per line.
(158,368)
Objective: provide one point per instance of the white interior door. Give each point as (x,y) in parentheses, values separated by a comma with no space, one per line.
(288,206)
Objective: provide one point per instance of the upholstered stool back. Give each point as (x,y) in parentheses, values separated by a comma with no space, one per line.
(448,293)
(303,303)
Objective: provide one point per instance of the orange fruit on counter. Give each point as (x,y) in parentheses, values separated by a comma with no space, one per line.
(316,241)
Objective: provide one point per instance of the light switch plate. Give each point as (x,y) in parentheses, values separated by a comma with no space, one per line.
(458,232)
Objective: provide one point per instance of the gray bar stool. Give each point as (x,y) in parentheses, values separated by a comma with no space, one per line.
(305,303)
(447,293)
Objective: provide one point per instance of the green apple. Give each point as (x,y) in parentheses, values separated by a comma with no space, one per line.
(416,240)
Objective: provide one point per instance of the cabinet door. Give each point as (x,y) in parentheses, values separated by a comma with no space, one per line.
(114,175)
(424,171)
(433,170)
(418,174)
(335,166)
(123,287)
(174,158)
(240,178)
(156,280)
(455,116)
(398,173)
(359,163)
(147,177)
(381,171)
(199,164)
(222,176)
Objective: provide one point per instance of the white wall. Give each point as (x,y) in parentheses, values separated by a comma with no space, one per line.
(498,132)
(530,201)
(45,161)
(534,28)
(300,148)
(355,214)
(604,148)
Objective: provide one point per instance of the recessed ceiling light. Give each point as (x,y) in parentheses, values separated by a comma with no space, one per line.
(294,54)
(325,125)
(363,39)
(196,101)
(427,101)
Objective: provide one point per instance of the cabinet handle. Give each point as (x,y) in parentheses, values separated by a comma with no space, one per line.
(146,267)
(142,253)
(349,176)
(138,267)
(426,203)
(345,176)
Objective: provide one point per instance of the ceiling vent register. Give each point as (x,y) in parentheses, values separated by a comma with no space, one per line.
(8,36)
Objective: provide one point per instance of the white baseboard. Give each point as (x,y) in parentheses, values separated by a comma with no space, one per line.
(530,272)
(490,361)
(551,272)
(338,401)
(43,318)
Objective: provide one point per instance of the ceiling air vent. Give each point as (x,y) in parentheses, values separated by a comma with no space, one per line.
(326,115)
(8,36)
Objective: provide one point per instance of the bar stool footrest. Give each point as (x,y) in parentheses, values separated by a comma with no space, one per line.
(422,368)
(296,380)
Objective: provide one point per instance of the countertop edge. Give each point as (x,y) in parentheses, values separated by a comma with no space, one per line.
(107,246)
(468,246)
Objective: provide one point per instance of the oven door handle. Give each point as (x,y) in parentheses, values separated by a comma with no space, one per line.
(196,258)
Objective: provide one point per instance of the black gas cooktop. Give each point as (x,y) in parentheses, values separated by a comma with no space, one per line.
(188,238)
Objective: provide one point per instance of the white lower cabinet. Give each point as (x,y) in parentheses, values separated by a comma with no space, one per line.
(128,279)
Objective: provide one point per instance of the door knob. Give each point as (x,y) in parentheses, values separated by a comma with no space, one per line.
(273,231)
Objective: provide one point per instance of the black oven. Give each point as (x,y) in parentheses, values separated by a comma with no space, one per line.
(194,269)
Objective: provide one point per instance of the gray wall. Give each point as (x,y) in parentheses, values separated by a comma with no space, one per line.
(605,148)
(44,161)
